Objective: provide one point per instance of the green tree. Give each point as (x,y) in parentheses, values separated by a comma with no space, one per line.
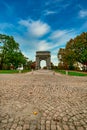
(74,51)
(10,54)
(81,48)
(62,58)
(29,64)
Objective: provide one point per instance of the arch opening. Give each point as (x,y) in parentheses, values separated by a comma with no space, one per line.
(43,64)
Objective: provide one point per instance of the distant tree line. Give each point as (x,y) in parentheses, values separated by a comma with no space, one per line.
(75,51)
(11,56)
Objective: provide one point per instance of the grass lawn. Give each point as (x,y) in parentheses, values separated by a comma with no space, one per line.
(72,73)
(12,71)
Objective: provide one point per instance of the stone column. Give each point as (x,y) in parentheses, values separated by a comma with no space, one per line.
(48,63)
(37,63)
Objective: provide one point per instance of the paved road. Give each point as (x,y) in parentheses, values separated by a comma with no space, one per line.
(43,100)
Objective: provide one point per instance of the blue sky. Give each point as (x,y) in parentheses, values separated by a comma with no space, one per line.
(39,25)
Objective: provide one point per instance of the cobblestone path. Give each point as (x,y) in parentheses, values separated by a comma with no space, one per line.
(43,100)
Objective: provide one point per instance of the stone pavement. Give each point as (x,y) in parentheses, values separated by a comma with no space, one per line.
(43,100)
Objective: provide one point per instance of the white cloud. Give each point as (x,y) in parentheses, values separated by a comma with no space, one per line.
(44,45)
(60,37)
(56,4)
(57,34)
(83,13)
(35,28)
(49,12)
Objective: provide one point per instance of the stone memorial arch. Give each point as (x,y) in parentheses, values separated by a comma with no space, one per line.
(43,55)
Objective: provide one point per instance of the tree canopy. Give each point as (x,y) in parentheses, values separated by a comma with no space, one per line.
(74,51)
(10,53)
